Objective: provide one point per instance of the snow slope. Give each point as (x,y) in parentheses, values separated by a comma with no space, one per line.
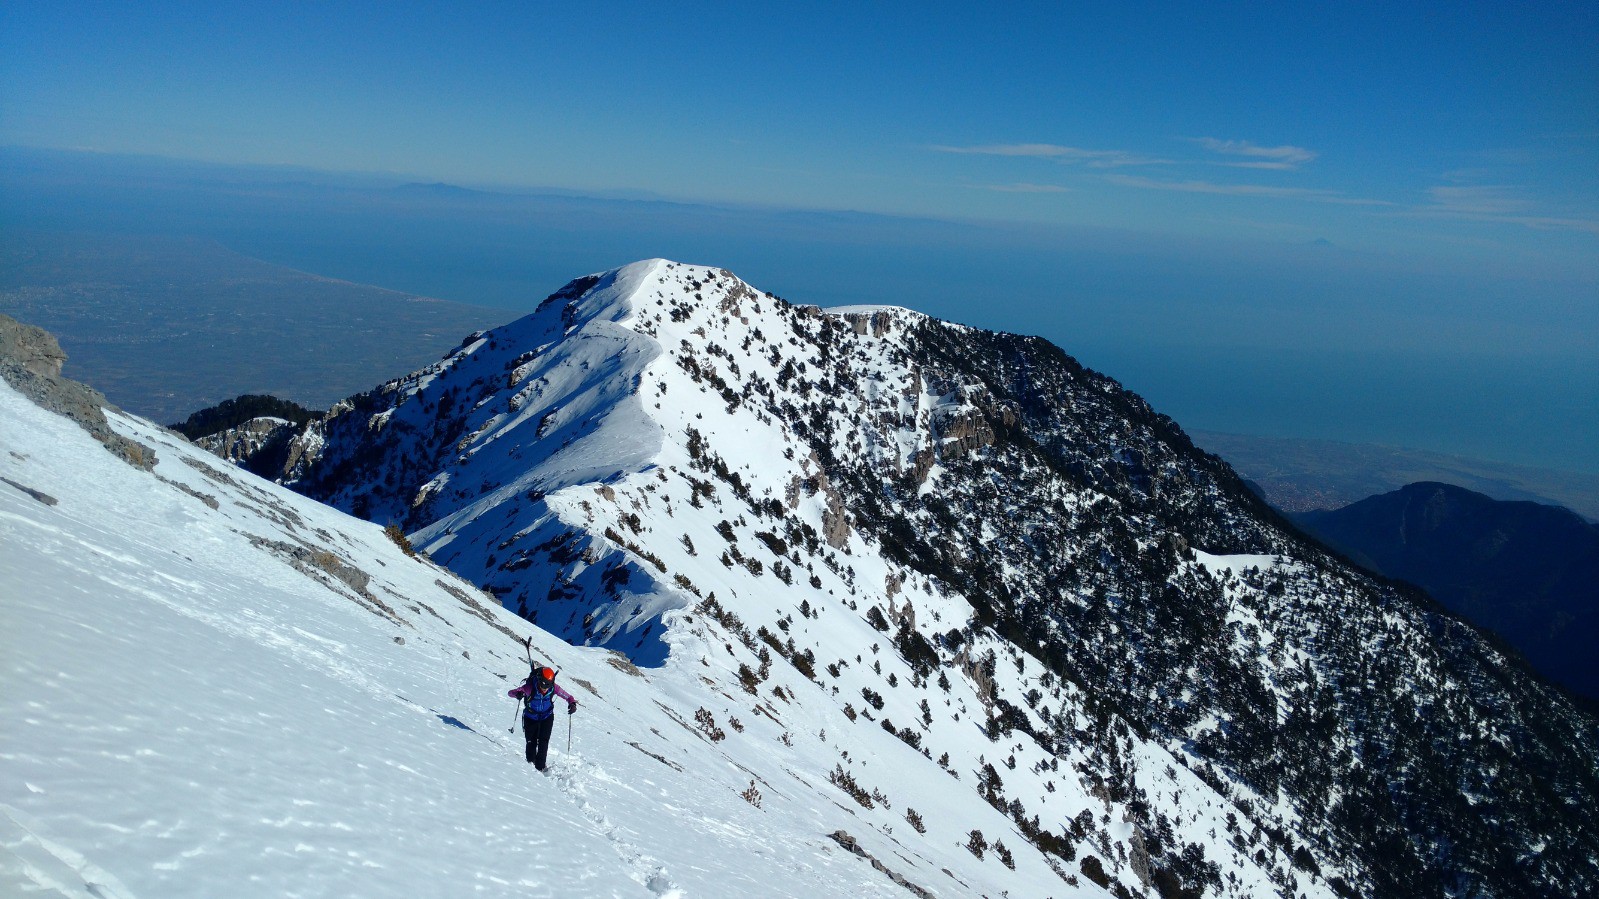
(624,467)
(190,713)
(861,603)
(964,553)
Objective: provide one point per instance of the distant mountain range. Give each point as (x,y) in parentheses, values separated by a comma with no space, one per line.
(1300,475)
(1528,572)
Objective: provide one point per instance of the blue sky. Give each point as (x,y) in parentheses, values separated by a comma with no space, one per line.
(1409,179)
(1451,125)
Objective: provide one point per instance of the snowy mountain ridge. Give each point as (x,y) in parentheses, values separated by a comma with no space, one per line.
(304,709)
(218,687)
(939,589)
(664,450)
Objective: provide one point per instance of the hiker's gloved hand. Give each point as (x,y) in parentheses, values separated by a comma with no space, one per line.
(571,707)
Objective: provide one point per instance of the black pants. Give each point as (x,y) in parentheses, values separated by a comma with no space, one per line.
(538,739)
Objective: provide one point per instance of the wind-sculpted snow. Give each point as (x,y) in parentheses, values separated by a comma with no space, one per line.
(870,525)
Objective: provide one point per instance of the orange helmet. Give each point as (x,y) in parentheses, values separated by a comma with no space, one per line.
(546,674)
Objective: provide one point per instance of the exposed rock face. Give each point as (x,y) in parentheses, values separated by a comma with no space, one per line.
(876,322)
(835,519)
(31,360)
(32,349)
(260,444)
(963,430)
(849,843)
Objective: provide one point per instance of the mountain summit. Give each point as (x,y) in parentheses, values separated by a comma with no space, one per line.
(862,603)
(663,457)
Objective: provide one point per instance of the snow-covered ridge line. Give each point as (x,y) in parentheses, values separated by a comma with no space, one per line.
(967,545)
(355,745)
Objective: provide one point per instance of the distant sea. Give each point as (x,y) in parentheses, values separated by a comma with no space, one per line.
(1541,411)
(1538,412)
(1276,340)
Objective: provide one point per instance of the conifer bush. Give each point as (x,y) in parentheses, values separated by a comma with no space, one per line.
(844,781)
(399,539)
(1094,870)
(748,679)
(707,724)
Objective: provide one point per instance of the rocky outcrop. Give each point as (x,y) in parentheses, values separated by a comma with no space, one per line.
(34,350)
(876,322)
(853,846)
(31,361)
(835,519)
(260,444)
(963,431)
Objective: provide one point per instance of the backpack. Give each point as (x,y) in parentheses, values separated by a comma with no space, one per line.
(537,705)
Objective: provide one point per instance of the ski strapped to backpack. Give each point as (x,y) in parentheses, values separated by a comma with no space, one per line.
(546,700)
(521,704)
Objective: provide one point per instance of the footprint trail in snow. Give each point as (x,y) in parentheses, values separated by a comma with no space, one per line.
(569,775)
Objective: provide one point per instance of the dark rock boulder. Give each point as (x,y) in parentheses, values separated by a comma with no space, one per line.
(31,360)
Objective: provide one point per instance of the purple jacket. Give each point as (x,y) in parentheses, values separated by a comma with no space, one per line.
(536,709)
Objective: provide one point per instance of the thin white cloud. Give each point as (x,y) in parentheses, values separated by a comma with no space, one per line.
(1496,203)
(1258,157)
(1250,156)
(1273,166)
(1477,199)
(1059,153)
(1243,190)
(1025,187)
(1552,223)
(1458,198)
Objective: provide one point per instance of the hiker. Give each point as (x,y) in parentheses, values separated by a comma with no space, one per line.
(538,711)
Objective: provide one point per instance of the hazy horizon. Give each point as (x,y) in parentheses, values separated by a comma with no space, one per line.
(1197,327)
(1364,222)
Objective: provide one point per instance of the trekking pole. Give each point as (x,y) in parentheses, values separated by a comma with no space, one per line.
(568,733)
